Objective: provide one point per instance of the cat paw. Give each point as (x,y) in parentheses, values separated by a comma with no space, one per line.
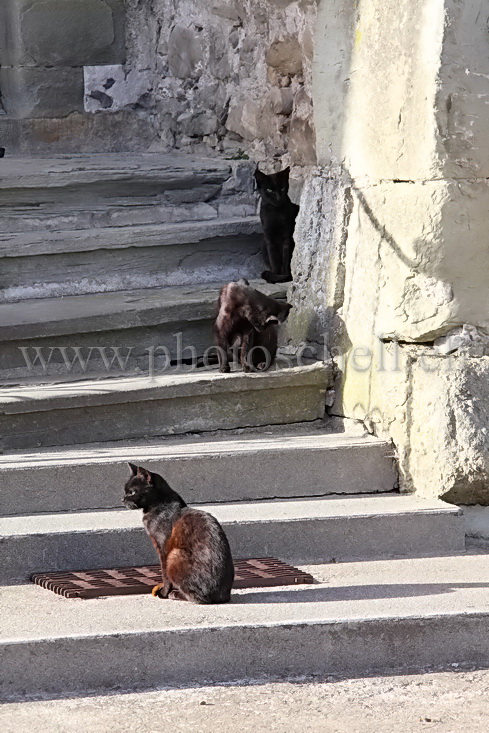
(225,369)
(160,590)
(266,275)
(175,595)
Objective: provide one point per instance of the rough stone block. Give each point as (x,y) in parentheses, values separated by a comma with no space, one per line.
(443,432)
(404,245)
(318,261)
(302,142)
(285,56)
(185,57)
(197,123)
(38,92)
(77,133)
(62,32)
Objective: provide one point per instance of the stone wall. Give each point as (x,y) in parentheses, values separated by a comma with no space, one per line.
(50,50)
(392,255)
(228,75)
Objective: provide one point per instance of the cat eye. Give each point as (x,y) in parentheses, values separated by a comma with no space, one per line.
(269,190)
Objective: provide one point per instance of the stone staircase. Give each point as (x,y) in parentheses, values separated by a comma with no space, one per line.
(108,252)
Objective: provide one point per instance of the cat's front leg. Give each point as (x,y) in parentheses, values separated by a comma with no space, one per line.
(275,261)
(222,352)
(246,342)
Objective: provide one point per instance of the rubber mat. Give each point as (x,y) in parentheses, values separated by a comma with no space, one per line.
(254,573)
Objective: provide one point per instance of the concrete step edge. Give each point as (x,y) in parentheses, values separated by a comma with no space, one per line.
(100,663)
(203,470)
(265,511)
(308,530)
(360,618)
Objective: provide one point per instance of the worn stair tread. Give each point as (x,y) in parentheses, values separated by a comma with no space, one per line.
(23,244)
(283,438)
(300,530)
(280,510)
(15,400)
(346,593)
(36,318)
(203,468)
(360,618)
(19,172)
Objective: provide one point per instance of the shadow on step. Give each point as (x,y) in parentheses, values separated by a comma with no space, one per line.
(354,592)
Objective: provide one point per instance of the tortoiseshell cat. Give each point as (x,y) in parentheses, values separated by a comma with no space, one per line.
(247,319)
(278,215)
(196,561)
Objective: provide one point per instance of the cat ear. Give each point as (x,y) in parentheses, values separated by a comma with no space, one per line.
(285,173)
(146,475)
(142,473)
(259,177)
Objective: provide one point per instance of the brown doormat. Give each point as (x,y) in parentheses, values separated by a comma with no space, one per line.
(259,573)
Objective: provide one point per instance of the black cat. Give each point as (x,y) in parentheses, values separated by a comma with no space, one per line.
(278,215)
(196,561)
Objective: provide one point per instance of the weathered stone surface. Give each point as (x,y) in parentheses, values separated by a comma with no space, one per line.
(198,124)
(476,519)
(225,10)
(244,119)
(211,57)
(282,100)
(434,118)
(41,92)
(219,61)
(407,237)
(48,264)
(168,405)
(114,87)
(253,120)
(302,142)
(463,339)
(185,56)
(439,423)
(285,55)
(62,32)
(318,261)
(78,133)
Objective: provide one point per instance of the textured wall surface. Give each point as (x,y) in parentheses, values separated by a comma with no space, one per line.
(228,75)
(400,92)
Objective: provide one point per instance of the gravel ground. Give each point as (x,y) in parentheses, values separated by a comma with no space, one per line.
(444,702)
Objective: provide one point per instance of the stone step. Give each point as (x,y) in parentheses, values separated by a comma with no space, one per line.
(71,178)
(168,404)
(303,530)
(281,462)
(119,212)
(97,191)
(361,618)
(52,264)
(175,322)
